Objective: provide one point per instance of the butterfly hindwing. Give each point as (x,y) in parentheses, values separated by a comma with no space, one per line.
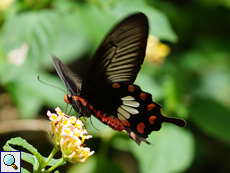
(134,108)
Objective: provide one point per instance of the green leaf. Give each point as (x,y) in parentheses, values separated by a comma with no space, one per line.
(211,117)
(38,29)
(36,165)
(87,22)
(29,93)
(215,84)
(23,143)
(51,96)
(28,105)
(25,95)
(96,164)
(150,85)
(23,170)
(54,161)
(172,96)
(28,158)
(34,159)
(172,150)
(158,22)
(88,166)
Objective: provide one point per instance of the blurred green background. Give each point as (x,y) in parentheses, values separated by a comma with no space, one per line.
(192,82)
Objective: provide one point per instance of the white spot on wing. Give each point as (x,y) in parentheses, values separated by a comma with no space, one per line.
(133,135)
(128,98)
(130,109)
(123,113)
(131,103)
(121,117)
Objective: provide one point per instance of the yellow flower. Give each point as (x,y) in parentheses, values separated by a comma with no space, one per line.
(70,136)
(74,151)
(156,51)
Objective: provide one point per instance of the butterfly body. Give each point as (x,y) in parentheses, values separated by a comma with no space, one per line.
(86,109)
(107,90)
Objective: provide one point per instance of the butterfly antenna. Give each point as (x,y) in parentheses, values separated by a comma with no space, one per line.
(78,113)
(92,124)
(66,108)
(69,110)
(50,85)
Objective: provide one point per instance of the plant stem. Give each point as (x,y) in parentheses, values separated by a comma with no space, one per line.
(56,165)
(53,152)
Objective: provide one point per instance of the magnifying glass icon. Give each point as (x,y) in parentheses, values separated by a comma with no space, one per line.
(9,160)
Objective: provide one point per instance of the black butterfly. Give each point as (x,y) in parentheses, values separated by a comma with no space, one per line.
(107,90)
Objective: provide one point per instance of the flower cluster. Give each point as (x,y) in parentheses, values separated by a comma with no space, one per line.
(70,136)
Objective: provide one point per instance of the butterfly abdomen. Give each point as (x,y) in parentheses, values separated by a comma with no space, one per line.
(109,120)
(80,103)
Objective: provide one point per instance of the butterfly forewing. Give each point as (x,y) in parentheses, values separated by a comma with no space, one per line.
(71,80)
(120,56)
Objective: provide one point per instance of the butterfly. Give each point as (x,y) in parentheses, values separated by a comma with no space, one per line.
(107,90)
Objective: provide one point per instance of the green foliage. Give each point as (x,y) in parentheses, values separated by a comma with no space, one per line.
(193,83)
(214,121)
(165,145)
(35,159)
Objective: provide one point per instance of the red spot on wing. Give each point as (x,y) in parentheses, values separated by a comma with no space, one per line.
(141,128)
(150,106)
(116,85)
(152,119)
(143,96)
(131,88)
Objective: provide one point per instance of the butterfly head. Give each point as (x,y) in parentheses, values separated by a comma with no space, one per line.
(68,98)
(79,104)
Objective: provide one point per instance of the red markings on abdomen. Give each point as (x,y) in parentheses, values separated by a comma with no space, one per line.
(112,122)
